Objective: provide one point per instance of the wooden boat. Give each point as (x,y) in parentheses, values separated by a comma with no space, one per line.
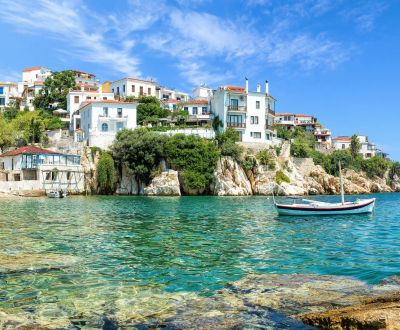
(56,194)
(312,207)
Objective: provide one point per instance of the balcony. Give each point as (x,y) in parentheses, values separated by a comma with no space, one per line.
(112,118)
(237,108)
(270,111)
(236,125)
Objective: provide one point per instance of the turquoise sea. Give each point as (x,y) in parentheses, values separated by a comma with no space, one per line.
(187,244)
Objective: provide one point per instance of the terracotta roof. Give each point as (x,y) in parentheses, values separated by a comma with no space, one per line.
(235,89)
(300,115)
(284,114)
(170,101)
(343,138)
(90,74)
(34,68)
(195,102)
(28,150)
(87,102)
(137,79)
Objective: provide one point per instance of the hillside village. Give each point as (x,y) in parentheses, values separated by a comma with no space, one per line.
(92,114)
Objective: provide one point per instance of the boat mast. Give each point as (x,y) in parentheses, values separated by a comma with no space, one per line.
(341,182)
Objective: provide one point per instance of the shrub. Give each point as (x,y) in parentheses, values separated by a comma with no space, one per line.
(266,158)
(106,174)
(226,142)
(281,177)
(248,163)
(375,166)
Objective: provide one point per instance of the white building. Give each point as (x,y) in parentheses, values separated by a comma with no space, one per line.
(31,84)
(86,81)
(285,119)
(8,91)
(163,93)
(101,120)
(367,150)
(199,110)
(323,136)
(202,92)
(251,113)
(75,99)
(33,168)
(306,121)
(133,87)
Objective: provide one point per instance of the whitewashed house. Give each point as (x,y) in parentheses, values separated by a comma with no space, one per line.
(34,168)
(202,92)
(199,110)
(86,81)
(8,91)
(166,94)
(323,136)
(101,120)
(286,119)
(367,150)
(251,113)
(133,87)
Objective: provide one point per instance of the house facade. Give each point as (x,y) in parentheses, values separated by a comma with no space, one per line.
(34,168)
(86,81)
(367,150)
(250,113)
(165,94)
(133,87)
(202,92)
(199,110)
(323,136)
(8,91)
(101,120)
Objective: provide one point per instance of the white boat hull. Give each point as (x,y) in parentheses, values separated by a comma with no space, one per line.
(364,206)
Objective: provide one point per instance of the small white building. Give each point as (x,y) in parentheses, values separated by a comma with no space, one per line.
(8,91)
(166,94)
(86,81)
(202,92)
(199,110)
(323,136)
(34,168)
(133,87)
(251,113)
(367,150)
(308,122)
(285,119)
(101,120)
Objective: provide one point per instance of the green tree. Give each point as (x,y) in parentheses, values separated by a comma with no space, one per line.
(266,158)
(217,123)
(226,142)
(149,110)
(355,146)
(55,90)
(180,115)
(106,174)
(140,150)
(6,134)
(195,157)
(375,166)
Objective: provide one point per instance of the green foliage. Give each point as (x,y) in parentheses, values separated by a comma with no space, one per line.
(375,166)
(140,151)
(278,150)
(226,142)
(180,115)
(55,90)
(281,177)
(195,157)
(266,158)
(129,99)
(355,146)
(217,123)
(394,170)
(10,113)
(303,142)
(149,110)
(283,132)
(7,138)
(50,121)
(106,174)
(249,163)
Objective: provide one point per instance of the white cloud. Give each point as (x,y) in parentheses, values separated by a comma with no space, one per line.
(66,21)
(365,14)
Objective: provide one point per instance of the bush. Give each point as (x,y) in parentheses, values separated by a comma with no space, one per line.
(375,166)
(248,163)
(266,158)
(226,142)
(281,177)
(195,157)
(106,174)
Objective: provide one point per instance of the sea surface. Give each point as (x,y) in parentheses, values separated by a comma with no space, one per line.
(97,245)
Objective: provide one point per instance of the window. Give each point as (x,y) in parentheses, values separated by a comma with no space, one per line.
(257,104)
(105,112)
(112,90)
(2,101)
(343,146)
(17,177)
(117,90)
(69,175)
(120,126)
(104,127)
(234,103)
(88,98)
(104,97)
(185,108)
(119,112)
(255,135)
(123,88)
(254,120)
(194,110)
(149,91)
(133,88)
(76,99)
(141,90)
(204,110)
(1,90)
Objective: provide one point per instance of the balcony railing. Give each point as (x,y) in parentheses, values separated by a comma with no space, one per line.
(237,108)
(236,125)
(270,111)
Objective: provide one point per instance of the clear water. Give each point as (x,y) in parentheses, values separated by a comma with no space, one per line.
(185,244)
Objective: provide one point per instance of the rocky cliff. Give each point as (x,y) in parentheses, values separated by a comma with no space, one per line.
(302,177)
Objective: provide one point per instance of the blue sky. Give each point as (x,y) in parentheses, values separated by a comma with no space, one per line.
(337,60)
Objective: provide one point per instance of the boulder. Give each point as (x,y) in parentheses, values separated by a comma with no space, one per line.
(230,179)
(165,184)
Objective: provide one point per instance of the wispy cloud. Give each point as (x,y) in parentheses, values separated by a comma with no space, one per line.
(65,20)
(365,14)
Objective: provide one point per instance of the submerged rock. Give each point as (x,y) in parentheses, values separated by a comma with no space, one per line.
(377,313)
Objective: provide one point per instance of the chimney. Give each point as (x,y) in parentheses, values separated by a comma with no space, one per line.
(258,88)
(247,86)
(266,87)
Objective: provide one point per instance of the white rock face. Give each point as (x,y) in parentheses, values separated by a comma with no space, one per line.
(165,184)
(230,179)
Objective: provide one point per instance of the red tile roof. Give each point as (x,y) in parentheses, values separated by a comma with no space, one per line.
(300,115)
(34,68)
(89,74)
(343,138)
(284,114)
(87,102)
(195,102)
(235,89)
(28,150)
